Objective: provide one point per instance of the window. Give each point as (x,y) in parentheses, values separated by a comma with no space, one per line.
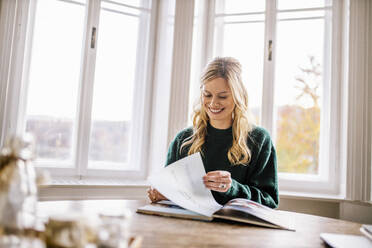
(86,84)
(54,79)
(301,85)
(285,51)
(53,83)
(239,32)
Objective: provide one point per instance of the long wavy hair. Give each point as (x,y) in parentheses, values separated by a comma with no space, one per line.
(229,69)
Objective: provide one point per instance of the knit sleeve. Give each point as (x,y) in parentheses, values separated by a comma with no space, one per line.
(262,185)
(174,147)
(173,150)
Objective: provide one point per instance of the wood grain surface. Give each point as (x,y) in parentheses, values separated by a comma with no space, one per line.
(157,231)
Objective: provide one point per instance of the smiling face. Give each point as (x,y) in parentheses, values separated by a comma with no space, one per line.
(218,102)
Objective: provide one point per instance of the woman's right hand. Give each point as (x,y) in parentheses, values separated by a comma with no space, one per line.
(155,195)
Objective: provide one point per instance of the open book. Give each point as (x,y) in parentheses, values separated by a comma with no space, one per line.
(182,183)
(367,231)
(240,210)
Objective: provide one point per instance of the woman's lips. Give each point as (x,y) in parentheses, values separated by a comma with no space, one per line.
(216,111)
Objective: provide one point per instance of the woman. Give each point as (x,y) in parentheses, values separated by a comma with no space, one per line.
(239,157)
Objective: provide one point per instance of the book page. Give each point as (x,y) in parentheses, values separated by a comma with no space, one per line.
(345,240)
(172,211)
(367,231)
(182,183)
(240,206)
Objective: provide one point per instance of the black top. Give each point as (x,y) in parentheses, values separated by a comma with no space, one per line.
(255,181)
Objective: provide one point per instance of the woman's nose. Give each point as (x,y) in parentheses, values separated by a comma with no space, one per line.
(214,101)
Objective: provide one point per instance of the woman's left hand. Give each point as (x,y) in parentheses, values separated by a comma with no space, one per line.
(155,195)
(218,180)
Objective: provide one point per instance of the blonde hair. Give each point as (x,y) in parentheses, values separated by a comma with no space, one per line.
(229,69)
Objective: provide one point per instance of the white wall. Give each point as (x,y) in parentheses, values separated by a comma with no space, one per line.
(339,209)
(329,209)
(356,211)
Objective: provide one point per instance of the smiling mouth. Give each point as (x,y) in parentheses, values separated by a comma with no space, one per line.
(216,111)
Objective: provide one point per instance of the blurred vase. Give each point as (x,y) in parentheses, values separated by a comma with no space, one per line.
(114,229)
(18,189)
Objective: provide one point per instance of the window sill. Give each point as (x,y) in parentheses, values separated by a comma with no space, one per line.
(93,189)
(320,198)
(311,196)
(75,183)
(72,182)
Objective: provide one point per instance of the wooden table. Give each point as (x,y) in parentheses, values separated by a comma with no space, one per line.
(171,232)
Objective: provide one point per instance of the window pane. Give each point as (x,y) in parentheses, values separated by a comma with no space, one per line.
(301,4)
(81,2)
(196,70)
(301,14)
(114,83)
(298,94)
(120,8)
(244,18)
(245,42)
(135,3)
(54,77)
(239,6)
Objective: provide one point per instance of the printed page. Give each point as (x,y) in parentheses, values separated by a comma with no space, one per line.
(238,206)
(182,183)
(345,240)
(367,231)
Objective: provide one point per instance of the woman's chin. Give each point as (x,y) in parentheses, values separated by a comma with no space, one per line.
(219,118)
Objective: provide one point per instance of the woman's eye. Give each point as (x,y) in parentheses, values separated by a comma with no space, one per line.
(223,97)
(207,96)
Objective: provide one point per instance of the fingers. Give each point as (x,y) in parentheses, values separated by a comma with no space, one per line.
(218,176)
(155,195)
(218,173)
(160,196)
(218,180)
(151,193)
(217,184)
(220,188)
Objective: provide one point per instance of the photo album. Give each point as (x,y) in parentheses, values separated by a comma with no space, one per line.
(181,183)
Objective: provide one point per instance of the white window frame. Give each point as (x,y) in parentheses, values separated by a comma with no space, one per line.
(332,118)
(14,96)
(351,130)
(328,181)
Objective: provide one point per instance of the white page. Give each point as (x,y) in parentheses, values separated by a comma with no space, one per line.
(367,231)
(345,240)
(182,183)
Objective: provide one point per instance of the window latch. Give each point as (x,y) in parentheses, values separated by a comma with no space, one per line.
(270,50)
(93,38)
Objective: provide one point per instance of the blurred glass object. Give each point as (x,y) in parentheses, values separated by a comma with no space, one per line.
(18,195)
(70,230)
(114,230)
(18,189)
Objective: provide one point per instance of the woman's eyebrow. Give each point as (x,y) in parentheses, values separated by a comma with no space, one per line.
(222,92)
